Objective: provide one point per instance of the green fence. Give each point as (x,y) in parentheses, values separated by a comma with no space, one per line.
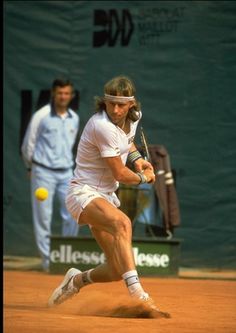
(180,54)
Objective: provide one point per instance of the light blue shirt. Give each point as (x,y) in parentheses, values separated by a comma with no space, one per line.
(49,139)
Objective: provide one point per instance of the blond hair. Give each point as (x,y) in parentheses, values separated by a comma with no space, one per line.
(118,86)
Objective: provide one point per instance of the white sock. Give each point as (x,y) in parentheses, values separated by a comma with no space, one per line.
(85,279)
(132,282)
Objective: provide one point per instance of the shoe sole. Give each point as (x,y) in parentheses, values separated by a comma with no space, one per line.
(69,274)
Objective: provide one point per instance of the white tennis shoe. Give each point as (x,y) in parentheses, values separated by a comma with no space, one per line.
(65,290)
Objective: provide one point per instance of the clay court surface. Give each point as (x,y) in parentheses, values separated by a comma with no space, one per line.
(195,305)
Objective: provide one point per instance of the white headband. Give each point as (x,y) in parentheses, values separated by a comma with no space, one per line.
(119,99)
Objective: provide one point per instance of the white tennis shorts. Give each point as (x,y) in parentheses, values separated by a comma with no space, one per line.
(79,196)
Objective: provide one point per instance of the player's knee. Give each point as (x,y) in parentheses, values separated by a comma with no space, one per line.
(123,227)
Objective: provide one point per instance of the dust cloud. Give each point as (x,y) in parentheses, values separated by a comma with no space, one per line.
(105,305)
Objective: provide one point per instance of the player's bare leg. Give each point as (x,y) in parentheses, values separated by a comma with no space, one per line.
(103,273)
(113,232)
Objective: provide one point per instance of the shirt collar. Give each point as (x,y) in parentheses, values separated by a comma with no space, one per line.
(53,112)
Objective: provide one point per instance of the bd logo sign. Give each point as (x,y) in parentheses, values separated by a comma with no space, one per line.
(116,27)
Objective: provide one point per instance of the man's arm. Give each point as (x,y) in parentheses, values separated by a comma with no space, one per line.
(126,176)
(30,138)
(140,163)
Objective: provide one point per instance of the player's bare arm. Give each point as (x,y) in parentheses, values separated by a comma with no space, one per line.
(126,176)
(140,164)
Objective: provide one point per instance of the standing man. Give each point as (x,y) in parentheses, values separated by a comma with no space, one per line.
(47,151)
(106,144)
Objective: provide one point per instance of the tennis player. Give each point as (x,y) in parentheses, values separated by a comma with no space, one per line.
(105,147)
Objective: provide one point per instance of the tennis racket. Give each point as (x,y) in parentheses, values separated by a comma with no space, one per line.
(144,145)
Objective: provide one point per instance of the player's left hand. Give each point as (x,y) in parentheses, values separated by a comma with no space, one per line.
(141,165)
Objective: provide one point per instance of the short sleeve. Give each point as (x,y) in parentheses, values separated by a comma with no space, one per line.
(106,137)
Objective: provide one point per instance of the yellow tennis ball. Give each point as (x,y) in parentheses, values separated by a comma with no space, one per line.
(41,193)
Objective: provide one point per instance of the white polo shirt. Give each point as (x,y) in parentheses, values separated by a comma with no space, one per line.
(101,138)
